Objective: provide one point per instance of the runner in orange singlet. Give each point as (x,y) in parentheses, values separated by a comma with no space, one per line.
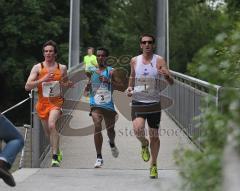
(48,76)
(46,104)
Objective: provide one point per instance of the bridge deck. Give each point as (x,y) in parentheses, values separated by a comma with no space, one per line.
(127,172)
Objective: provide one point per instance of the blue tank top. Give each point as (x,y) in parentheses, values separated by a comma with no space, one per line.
(101,92)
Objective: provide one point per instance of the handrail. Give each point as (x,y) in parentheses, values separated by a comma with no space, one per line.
(195,80)
(200,83)
(18,104)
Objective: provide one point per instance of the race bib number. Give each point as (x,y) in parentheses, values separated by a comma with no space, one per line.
(145,85)
(51,89)
(102,96)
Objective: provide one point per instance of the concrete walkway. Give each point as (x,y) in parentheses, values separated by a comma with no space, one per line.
(127,172)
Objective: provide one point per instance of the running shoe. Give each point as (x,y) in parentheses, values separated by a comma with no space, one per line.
(115,151)
(60,156)
(145,153)
(55,163)
(153,171)
(99,163)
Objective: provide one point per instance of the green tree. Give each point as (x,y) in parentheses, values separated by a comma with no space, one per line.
(127,21)
(94,15)
(233,9)
(217,63)
(24,26)
(193,24)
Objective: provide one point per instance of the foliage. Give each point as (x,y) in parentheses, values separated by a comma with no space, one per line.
(129,19)
(233,9)
(193,24)
(94,15)
(221,56)
(218,63)
(202,170)
(24,26)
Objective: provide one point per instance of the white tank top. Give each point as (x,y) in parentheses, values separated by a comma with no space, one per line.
(146,75)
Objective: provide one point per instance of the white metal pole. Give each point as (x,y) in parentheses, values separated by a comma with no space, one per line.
(161,28)
(167,31)
(74,33)
(70,37)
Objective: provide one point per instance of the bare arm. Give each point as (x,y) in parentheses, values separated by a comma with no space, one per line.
(119,79)
(63,69)
(65,81)
(87,89)
(131,81)
(32,81)
(163,70)
(132,74)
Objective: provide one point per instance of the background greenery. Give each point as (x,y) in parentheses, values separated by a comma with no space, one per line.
(216,62)
(204,42)
(26,24)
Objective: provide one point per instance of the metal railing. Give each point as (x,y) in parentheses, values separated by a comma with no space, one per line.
(188,93)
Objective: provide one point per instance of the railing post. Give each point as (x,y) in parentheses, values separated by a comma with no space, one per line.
(31,124)
(35,134)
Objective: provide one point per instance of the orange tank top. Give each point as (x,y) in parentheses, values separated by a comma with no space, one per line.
(57,77)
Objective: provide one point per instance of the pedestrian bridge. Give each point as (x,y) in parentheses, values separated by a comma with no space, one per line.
(128,171)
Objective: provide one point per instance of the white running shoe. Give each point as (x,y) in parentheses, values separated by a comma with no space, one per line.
(99,163)
(115,151)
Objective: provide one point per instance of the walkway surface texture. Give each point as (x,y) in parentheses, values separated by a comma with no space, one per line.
(127,172)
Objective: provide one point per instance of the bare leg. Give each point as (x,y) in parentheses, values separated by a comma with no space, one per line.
(154,144)
(54,135)
(98,139)
(139,130)
(110,122)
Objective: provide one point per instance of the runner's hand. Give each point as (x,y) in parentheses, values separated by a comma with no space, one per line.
(68,84)
(88,86)
(48,77)
(163,71)
(103,79)
(129,91)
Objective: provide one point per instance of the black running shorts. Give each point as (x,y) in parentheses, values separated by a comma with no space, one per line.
(149,111)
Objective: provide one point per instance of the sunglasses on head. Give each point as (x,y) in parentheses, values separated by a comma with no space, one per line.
(145,42)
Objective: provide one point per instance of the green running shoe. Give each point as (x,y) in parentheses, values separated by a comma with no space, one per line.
(55,163)
(153,171)
(145,153)
(60,156)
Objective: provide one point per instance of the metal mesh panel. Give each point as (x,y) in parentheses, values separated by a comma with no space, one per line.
(188,93)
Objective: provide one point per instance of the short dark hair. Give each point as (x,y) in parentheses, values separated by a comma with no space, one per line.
(90,48)
(105,51)
(147,35)
(50,43)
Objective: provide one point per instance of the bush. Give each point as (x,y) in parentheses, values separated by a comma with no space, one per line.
(218,63)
